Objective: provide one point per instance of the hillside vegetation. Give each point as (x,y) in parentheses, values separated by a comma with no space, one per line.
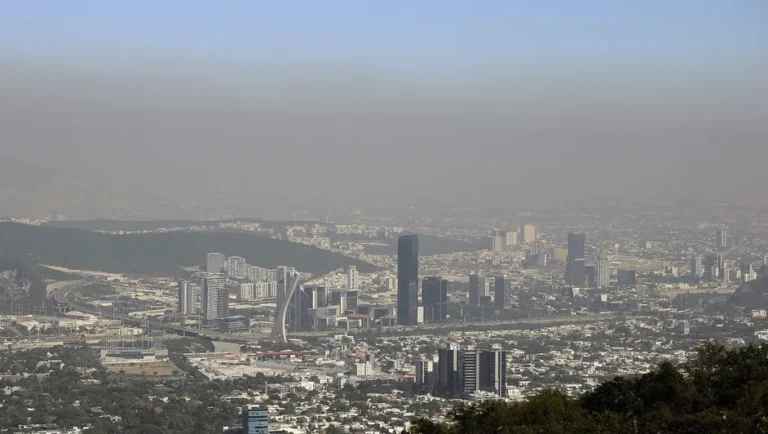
(718,391)
(161,254)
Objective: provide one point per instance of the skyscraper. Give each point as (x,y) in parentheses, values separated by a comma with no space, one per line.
(448,371)
(407,279)
(499,241)
(474,289)
(603,272)
(434,293)
(187,292)
(527,234)
(511,238)
(255,420)
(469,366)
(500,285)
(697,266)
(215,298)
(352,277)
(721,239)
(493,371)
(574,262)
(215,263)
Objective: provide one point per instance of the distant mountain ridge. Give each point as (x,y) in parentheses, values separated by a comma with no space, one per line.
(161,254)
(428,244)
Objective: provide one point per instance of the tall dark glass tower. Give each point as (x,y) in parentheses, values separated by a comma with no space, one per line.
(407,279)
(434,293)
(574,263)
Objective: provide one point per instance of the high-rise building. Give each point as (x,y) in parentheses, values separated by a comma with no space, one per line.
(352,300)
(626,277)
(448,378)
(425,372)
(188,293)
(574,262)
(352,277)
(469,365)
(247,291)
(407,279)
(338,297)
(499,241)
(474,289)
(215,263)
(434,295)
(236,267)
(500,285)
(527,234)
(470,370)
(721,239)
(215,298)
(511,238)
(697,266)
(493,371)
(603,274)
(255,420)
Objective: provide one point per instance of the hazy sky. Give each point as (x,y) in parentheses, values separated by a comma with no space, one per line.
(339,100)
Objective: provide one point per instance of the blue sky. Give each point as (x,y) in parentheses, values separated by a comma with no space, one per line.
(426,36)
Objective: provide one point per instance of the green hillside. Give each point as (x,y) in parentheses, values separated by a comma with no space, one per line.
(160,254)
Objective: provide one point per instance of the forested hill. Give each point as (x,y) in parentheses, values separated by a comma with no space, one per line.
(719,391)
(161,254)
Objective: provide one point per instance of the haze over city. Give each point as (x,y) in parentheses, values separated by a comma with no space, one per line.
(345,103)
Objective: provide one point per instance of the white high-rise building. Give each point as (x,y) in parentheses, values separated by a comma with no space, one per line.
(188,293)
(215,298)
(603,272)
(215,263)
(722,239)
(352,277)
(511,238)
(236,267)
(499,241)
(527,234)
(247,291)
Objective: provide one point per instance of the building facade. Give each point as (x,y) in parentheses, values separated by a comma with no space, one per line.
(407,279)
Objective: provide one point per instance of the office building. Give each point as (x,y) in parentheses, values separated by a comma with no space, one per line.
(215,298)
(697,266)
(474,289)
(499,241)
(469,365)
(469,370)
(559,254)
(493,371)
(448,380)
(434,296)
(338,297)
(187,293)
(574,262)
(352,277)
(721,239)
(236,267)
(255,420)
(425,372)
(603,274)
(527,234)
(407,279)
(215,263)
(352,300)
(511,238)
(500,289)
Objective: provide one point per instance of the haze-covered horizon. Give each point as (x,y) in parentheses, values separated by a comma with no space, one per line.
(489,105)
